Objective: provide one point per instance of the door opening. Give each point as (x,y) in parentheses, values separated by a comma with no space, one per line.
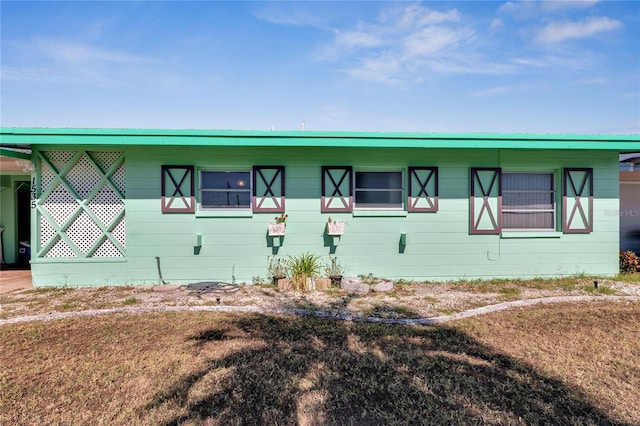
(23,222)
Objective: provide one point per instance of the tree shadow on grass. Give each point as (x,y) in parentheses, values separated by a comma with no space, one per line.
(317,371)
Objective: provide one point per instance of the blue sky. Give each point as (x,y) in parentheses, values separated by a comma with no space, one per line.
(521,66)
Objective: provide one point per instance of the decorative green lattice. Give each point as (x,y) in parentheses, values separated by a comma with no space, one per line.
(80,204)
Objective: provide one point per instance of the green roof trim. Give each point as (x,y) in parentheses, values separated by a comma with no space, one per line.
(14,154)
(256,138)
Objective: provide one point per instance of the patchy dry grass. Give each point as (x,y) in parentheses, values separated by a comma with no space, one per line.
(510,293)
(44,290)
(390,311)
(560,364)
(499,285)
(593,348)
(423,299)
(602,289)
(630,278)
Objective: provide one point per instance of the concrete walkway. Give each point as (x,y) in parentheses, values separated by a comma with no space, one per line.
(12,280)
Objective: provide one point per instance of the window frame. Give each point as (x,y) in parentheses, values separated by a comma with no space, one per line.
(248,190)
(554,197)
(402,189)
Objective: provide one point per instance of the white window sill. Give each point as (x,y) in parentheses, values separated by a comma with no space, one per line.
(224,213)
(380,213)
(530,234)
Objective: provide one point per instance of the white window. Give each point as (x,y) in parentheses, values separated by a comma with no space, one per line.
(225,189)
(379,190)
(528,201)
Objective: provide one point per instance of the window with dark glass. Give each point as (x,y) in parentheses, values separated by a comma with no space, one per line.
(528,201)
(378,190)
(225,189)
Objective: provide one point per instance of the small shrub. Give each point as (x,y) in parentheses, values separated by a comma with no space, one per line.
(130,301)
(260,281)
(368,278)
(302,267)
(628,262)
(276,269)
(334,268)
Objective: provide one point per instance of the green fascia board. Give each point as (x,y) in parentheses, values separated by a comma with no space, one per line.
(255,138)
(14,154)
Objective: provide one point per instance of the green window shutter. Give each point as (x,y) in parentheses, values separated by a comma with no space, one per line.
(178,189)
(485,215)
(422,192)
(268,189)
(577,200)
(337,189)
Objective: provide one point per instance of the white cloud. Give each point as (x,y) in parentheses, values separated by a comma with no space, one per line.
(527,9)
(62,61)
(278,16)
(592,81)
(469,65)
(576,61)
(383,68)
(31,74)
(355,39)
(559,31)
(76,53)
(498,90)
(403,45)
(70,52)
(408,43)
(400,45)
(496,23)
(557,5)
(415,16)
(406,58)
(431,40)
(533,62)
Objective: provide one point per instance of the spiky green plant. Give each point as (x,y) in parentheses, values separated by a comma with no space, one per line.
(301,267)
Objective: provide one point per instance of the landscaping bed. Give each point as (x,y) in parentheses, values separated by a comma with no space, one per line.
(404,300)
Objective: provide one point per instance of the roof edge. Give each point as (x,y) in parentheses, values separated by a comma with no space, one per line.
(46,131)
(308,139)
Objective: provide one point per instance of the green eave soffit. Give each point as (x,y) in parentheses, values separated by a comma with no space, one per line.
(12,153)
(159,137)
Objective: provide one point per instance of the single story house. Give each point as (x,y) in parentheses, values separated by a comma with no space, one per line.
(116,206)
